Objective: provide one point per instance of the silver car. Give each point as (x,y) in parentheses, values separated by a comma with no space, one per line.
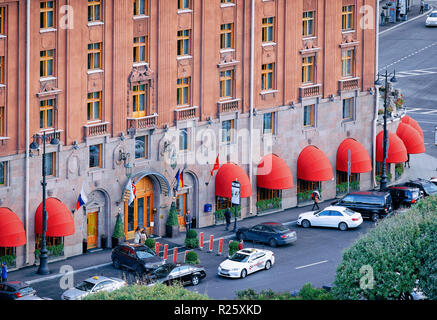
(93,285)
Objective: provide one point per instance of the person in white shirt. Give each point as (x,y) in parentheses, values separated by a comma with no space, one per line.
(137,235)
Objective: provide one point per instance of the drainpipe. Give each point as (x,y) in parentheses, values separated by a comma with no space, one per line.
(375,117)
(252,35)
(26,203)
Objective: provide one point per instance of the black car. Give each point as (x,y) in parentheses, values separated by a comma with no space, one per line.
(182,273)
(372,205)
(273,233)
(427,187)
(137,257)
(404,196)
(11,290)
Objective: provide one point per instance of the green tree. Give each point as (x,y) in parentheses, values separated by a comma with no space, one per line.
(118,228)
(172,219)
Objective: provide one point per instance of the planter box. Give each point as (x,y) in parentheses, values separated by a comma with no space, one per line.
(171,231)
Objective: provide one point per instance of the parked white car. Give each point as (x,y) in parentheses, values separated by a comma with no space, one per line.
(333,216)
(431,21)
(93,285)
(246,261)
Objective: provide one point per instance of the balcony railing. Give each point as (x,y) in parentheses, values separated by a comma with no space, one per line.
(143,122)
(96,129)
(349,84)
(228,106)
(50,135)
(186,113)
(310,91)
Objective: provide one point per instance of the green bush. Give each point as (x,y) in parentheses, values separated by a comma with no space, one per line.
(157,292)
(57,250)
(10,260)
(220,214)
(191,234)
(233,247)
(172,219)
(118,228)
(267,204)
(191,240)
(151,243)
(306,293)
(387,262)
(192,258)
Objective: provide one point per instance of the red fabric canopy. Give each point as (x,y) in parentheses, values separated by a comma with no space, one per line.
(273,173)
(12,233)
(413,123)
(360,160)
(223,181)
(313,165)
(397,152)
(60,222)
(412,139)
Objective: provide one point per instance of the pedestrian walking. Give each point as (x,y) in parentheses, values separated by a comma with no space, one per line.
(188,220)
(4,272)
(137,235)
(315,197)
(240,245)
(143,235)
(422,6)
(228,218)
(407,163)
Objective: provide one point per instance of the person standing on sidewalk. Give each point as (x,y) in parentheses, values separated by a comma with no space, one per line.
(188,220)
(315,196)
(228,218)
(4,272)
(137,235)
(422,6)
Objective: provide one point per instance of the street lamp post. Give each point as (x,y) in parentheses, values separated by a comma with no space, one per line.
(43,268)
(383,184)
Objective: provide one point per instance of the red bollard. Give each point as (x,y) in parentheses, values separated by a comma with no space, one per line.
(220,249)
(211,243)
(175,254)
(201,241)
(157,248)
(165,251)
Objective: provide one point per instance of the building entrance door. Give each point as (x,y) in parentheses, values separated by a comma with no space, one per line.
(91,221)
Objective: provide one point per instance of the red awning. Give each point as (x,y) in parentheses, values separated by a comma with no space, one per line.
(360,160)
(313,165)
(397,152)
(413,123)
(60,222)
(412,139)
(273,173)
(223,181)
(12,232)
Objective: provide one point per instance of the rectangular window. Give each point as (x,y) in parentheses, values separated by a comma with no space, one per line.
(46,113)
(268,76)
(2,20)
(184,139)
(2,70)
(184,40)
(94,56)
(140,7)
(222,203)
(139,101)
(347,22)
(3,173)
(308,23)
(94,10)
(2,122)
(94,105)
(50,163)
(141,147)
(269,123)
(309,113)
(267,194)
(183,91)
(140,49)
(47,14)
(308,69)
(228,131)
(47,63)
(268,29)
(348,109)
(226,83)
(184,4)
(347,62)
(227,1)
(227,36)
(95,156)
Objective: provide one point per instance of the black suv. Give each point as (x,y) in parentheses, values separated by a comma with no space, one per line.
(404,196)
(427,187)
(371,204)
(137,257)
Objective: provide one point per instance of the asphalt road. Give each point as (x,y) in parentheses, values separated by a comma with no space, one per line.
(411,50)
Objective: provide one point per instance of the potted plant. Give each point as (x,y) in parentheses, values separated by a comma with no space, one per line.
(103,241)
(191,240)
(172,225)
(84,245)
(118,234)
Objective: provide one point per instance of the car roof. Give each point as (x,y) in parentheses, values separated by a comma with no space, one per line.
(97,279)
(369,193)
(271,224)
(250,251)
(16,284)
(338,208)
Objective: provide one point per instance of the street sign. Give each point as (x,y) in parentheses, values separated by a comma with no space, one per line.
(236,193)
(348,168)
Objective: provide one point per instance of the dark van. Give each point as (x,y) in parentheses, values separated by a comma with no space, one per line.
(372,205)
(404,196)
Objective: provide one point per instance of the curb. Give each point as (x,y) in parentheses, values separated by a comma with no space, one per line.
(402,23)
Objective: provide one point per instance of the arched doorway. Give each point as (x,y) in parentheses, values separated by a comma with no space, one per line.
(140,212)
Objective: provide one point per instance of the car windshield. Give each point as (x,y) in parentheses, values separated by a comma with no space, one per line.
(429,187)
(433,15)
(85,286)
(162,271)
(349,212)
(239,257)
(144,253)
(280,228)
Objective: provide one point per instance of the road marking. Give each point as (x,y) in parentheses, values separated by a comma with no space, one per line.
(312,264)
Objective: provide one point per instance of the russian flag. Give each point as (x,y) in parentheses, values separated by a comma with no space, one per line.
(82,199)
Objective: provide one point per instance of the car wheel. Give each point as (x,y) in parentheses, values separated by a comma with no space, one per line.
(195,280)
(268,265)
(342,226)
(306,224)
(375,217)
(243,274)
(273,243)
(116,264)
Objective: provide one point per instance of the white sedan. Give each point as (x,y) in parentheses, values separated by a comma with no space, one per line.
(431,21)
(333,216)
(93,285)
(246,261)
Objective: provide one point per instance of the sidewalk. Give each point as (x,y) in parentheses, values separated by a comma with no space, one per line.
(413,13)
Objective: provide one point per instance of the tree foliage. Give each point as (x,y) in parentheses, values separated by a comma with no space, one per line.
(172,219)
(307,292)
(393,258)
(119,228)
